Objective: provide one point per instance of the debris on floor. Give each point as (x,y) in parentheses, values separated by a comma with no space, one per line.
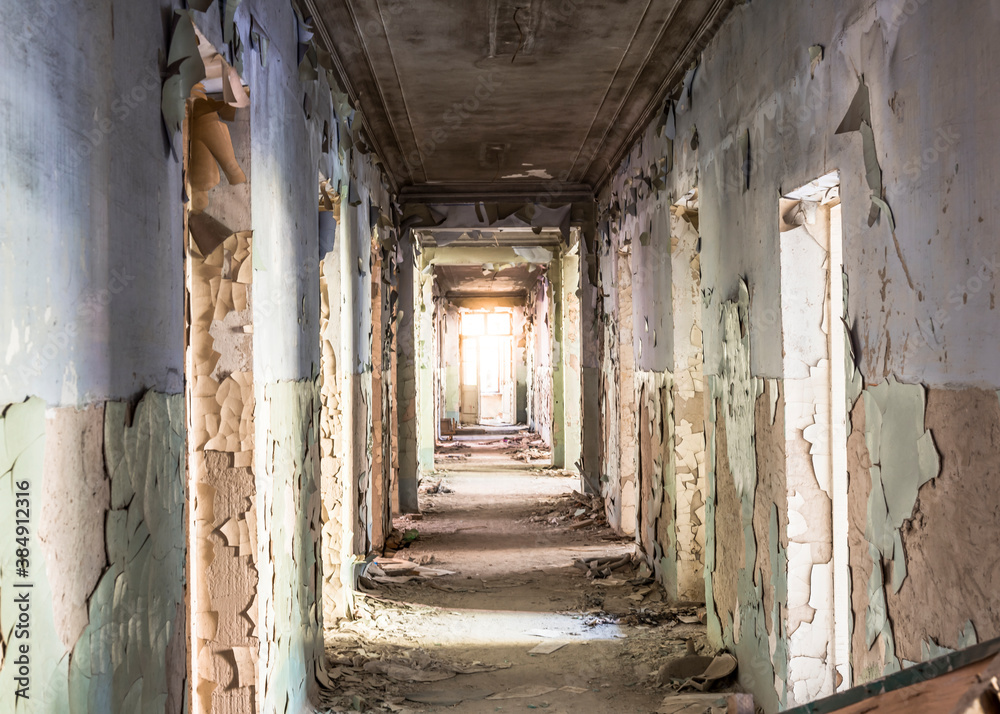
(399,539)
(396,571)
(434,486)
(526,448)
(602,567)
(526,691)
(575,510)
(694,704)
(599,632)
(696,672)
(367,677)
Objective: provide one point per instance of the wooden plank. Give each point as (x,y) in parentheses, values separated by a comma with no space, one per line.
(984,693)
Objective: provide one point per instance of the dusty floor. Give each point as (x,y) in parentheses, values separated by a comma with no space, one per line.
(500,547)
(481,448)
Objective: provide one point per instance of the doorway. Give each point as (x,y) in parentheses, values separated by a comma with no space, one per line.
(486,347)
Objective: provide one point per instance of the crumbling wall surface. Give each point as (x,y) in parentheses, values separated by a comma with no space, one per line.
(105,629)
(338,521)
(770,516)
(591,308)
(922,467)
(781,130)
(658,498)
(451,361)
(288,502)
(569,352)
(521,357)
(807,389)
(539,312)
(739,577)
(301,125)
(689,397)
(951,568)
(426,361)
(218,252)
(97,144)
(866,658)
(406,379)
(922,271)
(628,427)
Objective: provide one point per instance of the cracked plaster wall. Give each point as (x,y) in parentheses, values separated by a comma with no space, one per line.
(107,621)
(450,363)
(221,471)
(567,382)
(292,111)
(539,310)
(84,335)
(919,312)
(690,463)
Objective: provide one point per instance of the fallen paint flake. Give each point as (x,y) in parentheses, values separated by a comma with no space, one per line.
(448,697)
(526,691)
(815,57)
(402,673)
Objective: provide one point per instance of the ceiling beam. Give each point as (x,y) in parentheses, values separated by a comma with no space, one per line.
(516,192)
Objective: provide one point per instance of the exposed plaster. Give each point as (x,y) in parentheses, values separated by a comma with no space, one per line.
(129,656)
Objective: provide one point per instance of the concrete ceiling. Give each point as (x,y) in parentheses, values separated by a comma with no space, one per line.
(495,97)
(469,280)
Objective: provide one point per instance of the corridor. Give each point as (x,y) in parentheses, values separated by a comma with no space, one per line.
(578,355)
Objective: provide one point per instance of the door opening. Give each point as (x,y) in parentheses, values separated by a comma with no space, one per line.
(487,389)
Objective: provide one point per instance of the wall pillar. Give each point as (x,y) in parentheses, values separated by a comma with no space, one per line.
(590,417)
(569,365)
(406,382)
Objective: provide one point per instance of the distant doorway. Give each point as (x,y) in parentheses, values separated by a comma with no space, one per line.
(486,347)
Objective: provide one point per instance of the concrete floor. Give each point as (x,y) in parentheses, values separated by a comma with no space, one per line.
(513,588)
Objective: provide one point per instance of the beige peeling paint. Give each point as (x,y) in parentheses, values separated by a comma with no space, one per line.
(223,519)
(661,500)
(689,398)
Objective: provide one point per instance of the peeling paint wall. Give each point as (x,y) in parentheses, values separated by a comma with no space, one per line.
(288,499)
(450,327)
(657,489)
(336,486)
(568,447)
(689,397)
(921,268)
(520,365)
(106,322)
(406,384)
(591,332)
(106,626)
(218,252)
(541,351)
